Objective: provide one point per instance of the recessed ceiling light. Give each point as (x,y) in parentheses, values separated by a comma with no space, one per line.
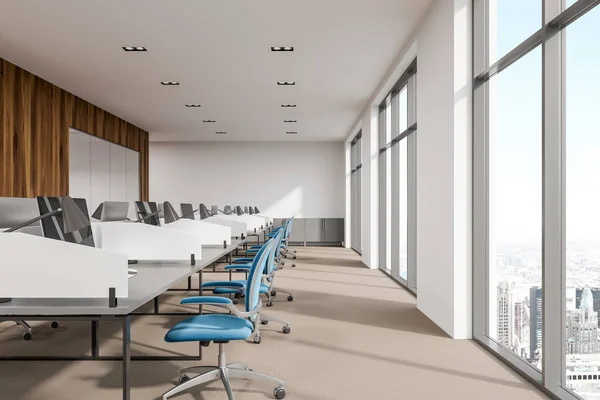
(221,133)
(288,105)
(291,133)
(134,48)
(169,83)
(290,120)
(193,105)
(286,83)
(208,120)
(282,48)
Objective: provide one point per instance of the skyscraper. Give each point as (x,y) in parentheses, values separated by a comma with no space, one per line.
(521,333)
(506,321)
(535,321)
(582,326)
(595,293)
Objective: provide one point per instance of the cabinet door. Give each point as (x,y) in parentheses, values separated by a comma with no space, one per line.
(315,230)
(334,230)
(298,233)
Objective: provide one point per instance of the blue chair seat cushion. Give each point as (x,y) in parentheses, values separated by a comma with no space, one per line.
(214,327)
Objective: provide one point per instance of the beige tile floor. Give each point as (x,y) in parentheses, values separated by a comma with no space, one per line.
(356,335)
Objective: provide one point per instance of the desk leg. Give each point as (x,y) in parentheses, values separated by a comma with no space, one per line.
(200,281)
(127,358)
(156,305)
(189,283)
(95,350)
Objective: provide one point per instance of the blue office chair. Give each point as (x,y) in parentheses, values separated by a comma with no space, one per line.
(221,329)
(238,287)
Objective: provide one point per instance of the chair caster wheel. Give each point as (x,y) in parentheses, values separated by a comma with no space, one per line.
(257,339)
(286,329)
(269,304)
(264,322)
(273,293)
(27,336)
(293,265)
(290,298)
(183,379)
(279,392)
(54,324)
(235,301)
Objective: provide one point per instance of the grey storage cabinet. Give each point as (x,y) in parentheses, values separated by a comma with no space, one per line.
(334,230)
(315,231)
(298,234)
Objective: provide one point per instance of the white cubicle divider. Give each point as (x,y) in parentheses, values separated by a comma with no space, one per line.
(206,233)
(237,227)
(251,221)
(146,242)
(38,267)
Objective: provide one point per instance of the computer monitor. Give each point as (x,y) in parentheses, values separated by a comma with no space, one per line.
(214,210)
(16,210)
(145,208)
(187,211)
(203,211)
(52,227)
(114,211)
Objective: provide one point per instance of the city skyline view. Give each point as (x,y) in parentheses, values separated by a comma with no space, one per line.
(516,192)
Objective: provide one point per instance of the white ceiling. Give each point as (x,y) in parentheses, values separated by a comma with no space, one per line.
(220,52)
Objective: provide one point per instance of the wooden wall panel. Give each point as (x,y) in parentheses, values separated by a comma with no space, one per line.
(35,117)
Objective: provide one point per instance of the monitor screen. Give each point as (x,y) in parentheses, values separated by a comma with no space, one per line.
(146,208)
(114,211)
(187,211)
(52,227)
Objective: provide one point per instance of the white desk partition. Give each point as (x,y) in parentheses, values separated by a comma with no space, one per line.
(38,267)
(146,242)
(206,233)
(237,227)
(250,220)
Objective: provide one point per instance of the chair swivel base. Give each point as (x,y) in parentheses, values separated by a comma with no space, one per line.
(223,372)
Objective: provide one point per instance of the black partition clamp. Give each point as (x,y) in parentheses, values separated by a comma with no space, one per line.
(254,230)
(243,236)
(112,297)
(262,227)
(193,259)
(224,244)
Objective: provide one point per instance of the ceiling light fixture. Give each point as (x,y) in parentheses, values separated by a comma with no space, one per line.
(286,83)
(290,120)
(193,105)
(288,105)
(134,48)
(169,83)
(291,133)
(282,48)
(221,133)
(208,120)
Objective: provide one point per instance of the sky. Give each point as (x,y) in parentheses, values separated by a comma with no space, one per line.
(516,128)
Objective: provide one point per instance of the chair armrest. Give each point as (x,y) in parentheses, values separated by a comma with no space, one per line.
(206,300)
(243,260)
(238,267)
(223,302)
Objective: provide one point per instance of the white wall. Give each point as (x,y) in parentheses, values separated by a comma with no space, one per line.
(441,45)
(305,179)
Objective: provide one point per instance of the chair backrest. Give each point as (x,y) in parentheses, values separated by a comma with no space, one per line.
(255,274)
(256,211)
(275,253)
